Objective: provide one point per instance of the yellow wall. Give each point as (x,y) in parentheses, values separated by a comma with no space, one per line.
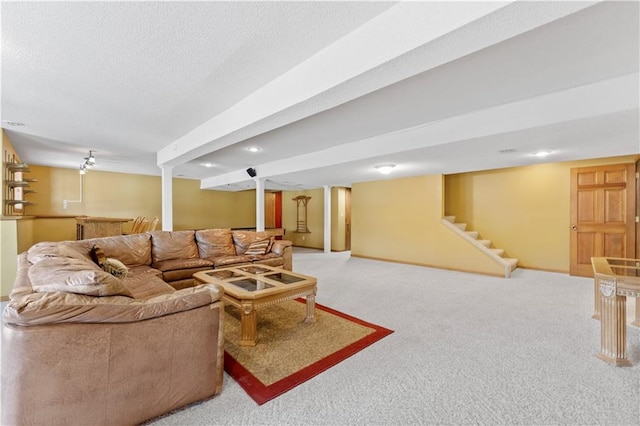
(127,196)
(8,257)
(523,210)
(338,219)
(401,220)
(8,231)
(315,218)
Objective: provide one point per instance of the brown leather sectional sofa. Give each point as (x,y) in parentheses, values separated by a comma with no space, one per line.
(80,346)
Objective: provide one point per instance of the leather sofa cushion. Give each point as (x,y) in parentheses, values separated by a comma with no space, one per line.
(215,243)
(62,307)
(223,261)
(144,286)
(132,250)
(270,259)
(74,276)
(243,239)
(144,271)
(47,250)
(174,264)
(167,245)
(182,274)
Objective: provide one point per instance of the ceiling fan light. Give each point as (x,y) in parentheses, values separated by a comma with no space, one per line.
(385,169)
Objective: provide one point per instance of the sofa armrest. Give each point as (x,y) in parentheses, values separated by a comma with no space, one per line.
(279,246)
(284,248)
(63,307)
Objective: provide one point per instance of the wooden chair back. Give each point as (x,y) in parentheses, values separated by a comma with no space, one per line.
(139,225)
(136,224)
(153,224)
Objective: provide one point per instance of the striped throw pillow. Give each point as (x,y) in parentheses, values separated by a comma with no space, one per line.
(259,247)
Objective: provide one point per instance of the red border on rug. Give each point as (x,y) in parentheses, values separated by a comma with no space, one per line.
(261,393)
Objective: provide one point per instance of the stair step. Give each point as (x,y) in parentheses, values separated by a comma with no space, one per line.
(512,262)
(473,234)
(462,226)
(451,219)
(497,251)
(486,243)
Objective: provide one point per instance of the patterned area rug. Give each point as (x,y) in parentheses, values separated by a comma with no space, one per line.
(290,351)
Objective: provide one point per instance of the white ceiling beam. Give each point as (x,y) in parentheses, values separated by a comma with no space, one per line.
(604,97)
(380,42)
(386,37)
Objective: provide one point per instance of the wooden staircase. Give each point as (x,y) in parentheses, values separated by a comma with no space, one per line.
(496,254)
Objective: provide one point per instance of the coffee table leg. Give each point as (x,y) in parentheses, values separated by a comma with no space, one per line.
(311,307)
(248,325)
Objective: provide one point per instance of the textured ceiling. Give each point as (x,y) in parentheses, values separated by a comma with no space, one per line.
(326,89)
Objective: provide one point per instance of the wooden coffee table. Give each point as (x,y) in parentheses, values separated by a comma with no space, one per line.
(250,287)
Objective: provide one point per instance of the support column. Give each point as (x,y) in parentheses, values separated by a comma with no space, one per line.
(167,198)
(327,218)
(259,204)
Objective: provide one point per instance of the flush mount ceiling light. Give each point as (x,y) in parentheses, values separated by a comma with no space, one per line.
(385,169)
(541,154)
(254,149)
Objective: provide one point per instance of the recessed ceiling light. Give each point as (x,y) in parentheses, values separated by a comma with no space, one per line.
(206,165)
(542,154)
(385,169)
(254,149)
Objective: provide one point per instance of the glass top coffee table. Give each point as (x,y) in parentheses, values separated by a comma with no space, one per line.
(249,287)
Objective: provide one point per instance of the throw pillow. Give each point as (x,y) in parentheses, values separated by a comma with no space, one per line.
(259,247)
(97,255)
(115,267)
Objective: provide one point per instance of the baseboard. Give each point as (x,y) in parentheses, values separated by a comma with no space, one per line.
(308,247)
(557,271)
(469,271)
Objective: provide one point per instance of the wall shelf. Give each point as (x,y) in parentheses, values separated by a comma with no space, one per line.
(16,186)
(17,167)
(16,202)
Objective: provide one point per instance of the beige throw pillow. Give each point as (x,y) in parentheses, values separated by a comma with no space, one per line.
(115,267)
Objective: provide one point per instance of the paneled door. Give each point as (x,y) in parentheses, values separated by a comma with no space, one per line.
(603,210)
(269,210)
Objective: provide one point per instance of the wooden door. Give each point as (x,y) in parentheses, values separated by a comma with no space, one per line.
(603,209)
(347,219)
(269,210)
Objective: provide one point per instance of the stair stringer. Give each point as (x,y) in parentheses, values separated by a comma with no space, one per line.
(507,266)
